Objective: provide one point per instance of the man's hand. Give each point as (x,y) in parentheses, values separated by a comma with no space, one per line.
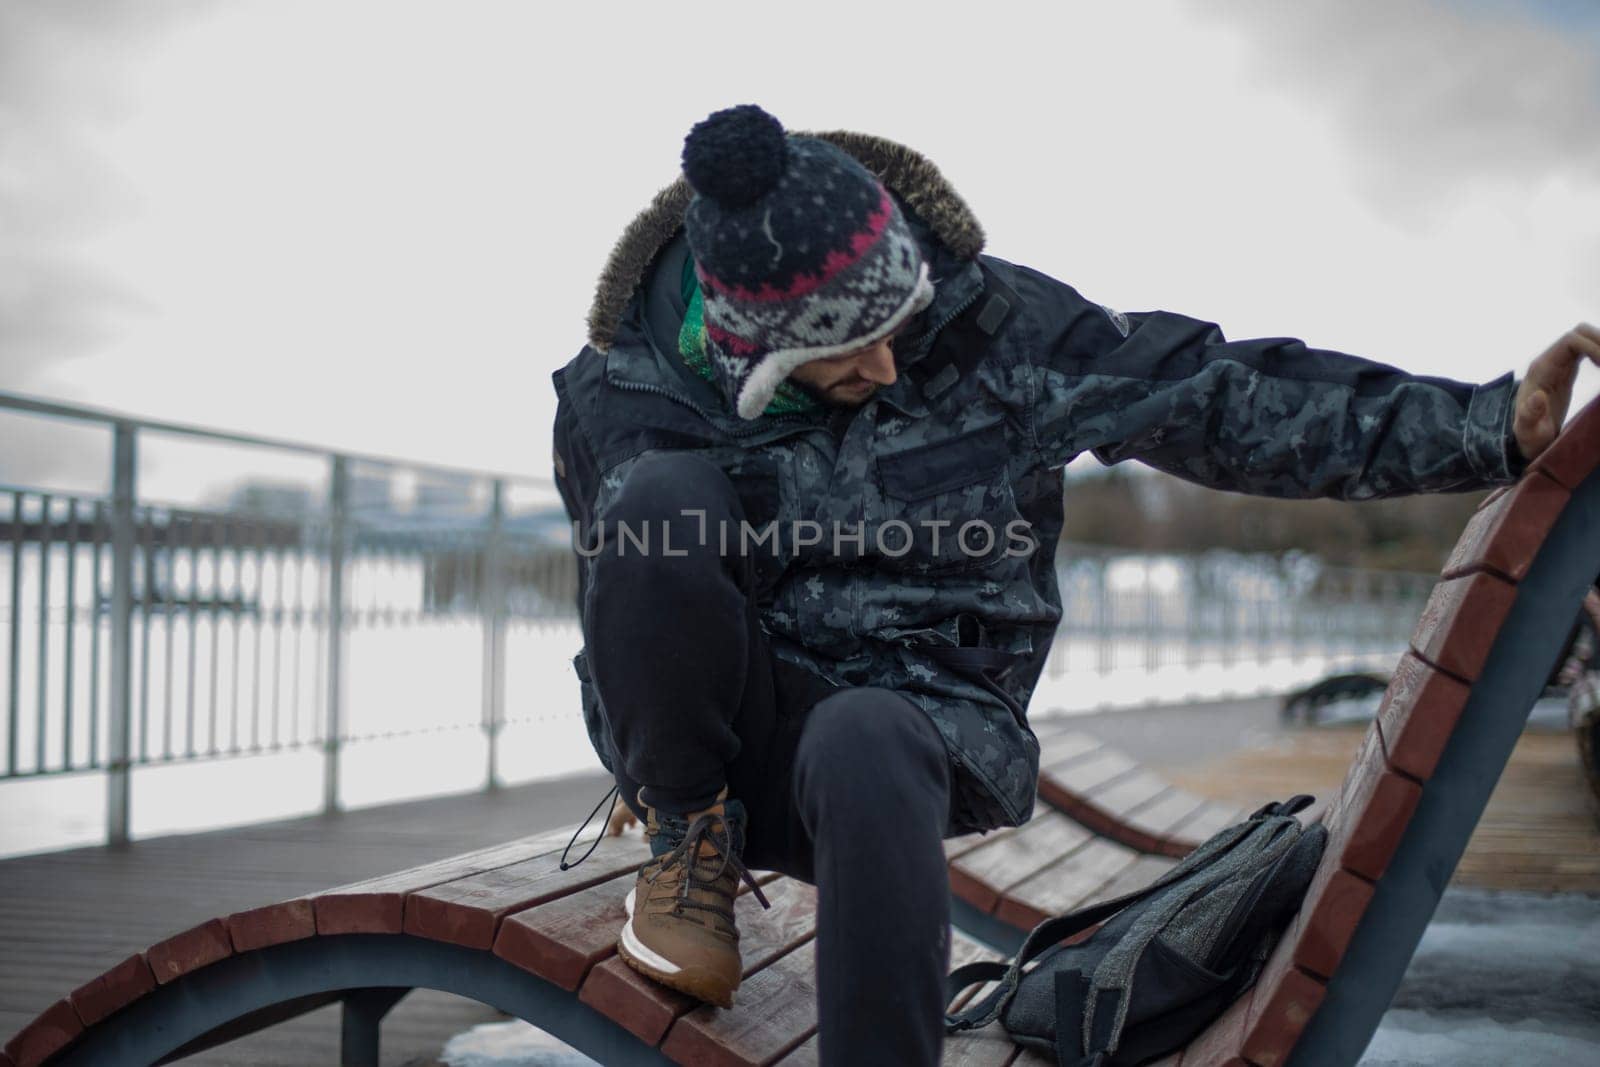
(1546,391)
(620,820)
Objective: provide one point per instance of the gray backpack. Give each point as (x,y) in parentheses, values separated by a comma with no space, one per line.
(1165,961)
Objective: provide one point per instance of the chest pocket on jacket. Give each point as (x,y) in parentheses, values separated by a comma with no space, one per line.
(955,496)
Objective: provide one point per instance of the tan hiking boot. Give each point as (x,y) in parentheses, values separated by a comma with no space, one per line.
(680,929)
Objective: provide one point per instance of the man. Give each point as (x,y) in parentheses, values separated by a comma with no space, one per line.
(812,453)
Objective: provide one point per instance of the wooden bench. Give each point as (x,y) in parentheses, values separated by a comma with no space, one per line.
(507,927)
(1480,656)
(1110,794)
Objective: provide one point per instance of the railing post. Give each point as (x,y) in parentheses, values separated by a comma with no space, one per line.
(120,716)
(1152,625)
(492,606)
(1105,617)
(338,504)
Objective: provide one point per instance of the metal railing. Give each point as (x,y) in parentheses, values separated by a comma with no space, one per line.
(1137,610)
(142,633)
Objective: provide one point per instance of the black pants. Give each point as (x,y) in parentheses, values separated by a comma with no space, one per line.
(845,788)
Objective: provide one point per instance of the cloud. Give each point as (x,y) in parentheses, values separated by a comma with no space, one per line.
(63,68)
(1433,96)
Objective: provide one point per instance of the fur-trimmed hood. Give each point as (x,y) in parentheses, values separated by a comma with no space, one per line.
(905,172)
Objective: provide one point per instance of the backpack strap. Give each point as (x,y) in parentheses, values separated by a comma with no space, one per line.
(1297,803)
(1042,937)
(1073,989)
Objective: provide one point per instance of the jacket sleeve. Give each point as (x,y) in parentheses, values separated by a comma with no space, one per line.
(1268,416)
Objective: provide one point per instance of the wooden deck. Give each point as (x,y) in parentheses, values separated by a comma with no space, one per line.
(67,916)
(1538,834)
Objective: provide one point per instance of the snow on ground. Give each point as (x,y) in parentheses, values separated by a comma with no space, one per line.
(509,1044)
(1499,978)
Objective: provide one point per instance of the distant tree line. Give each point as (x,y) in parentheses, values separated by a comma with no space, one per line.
(1145,509)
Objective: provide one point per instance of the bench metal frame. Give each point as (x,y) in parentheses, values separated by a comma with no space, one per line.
(369,973)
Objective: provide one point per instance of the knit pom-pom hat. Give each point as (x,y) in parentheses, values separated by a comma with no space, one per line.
(800,251)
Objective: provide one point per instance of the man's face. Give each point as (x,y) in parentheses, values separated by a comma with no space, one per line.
(848,380)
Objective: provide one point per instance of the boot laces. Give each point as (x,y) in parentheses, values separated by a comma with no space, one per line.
(712,828)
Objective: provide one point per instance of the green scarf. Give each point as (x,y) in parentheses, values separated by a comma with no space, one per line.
(692,347)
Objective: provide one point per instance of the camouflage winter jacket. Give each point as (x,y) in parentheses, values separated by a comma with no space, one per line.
(1006,377)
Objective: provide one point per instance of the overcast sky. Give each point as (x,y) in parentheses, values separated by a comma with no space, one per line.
(378,226)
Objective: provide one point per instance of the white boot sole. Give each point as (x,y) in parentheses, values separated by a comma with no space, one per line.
(637,948)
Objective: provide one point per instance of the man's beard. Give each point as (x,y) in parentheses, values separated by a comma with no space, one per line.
(852,397)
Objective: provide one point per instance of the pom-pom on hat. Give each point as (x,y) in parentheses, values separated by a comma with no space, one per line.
(800,251)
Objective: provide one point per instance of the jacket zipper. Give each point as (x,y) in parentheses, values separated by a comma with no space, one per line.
(737,431)
(966,302)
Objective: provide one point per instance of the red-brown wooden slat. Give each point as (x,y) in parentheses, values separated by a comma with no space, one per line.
(53,1030)
(786,991)
(1418,714)
(807,1054)
(467,911)
(1576,452)
(1167,811)
(1505,535)
(1072,883)
(647,1008)
(189,951)
(1100,812)
(113,990)
(980,876)
(274,924)
(988,1046)
(1054,791)
(1369,817)
(1460,622)
(377,905)
(1128,793)
(1081,776)
(1058,749)
(561,940)
(1109,795)
(1218,1045)
(1143,871)
(1204,823)
(1284,1000)
(1163,818)
(644,1008)
(956,846)
(1328,917)
(985,1047)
